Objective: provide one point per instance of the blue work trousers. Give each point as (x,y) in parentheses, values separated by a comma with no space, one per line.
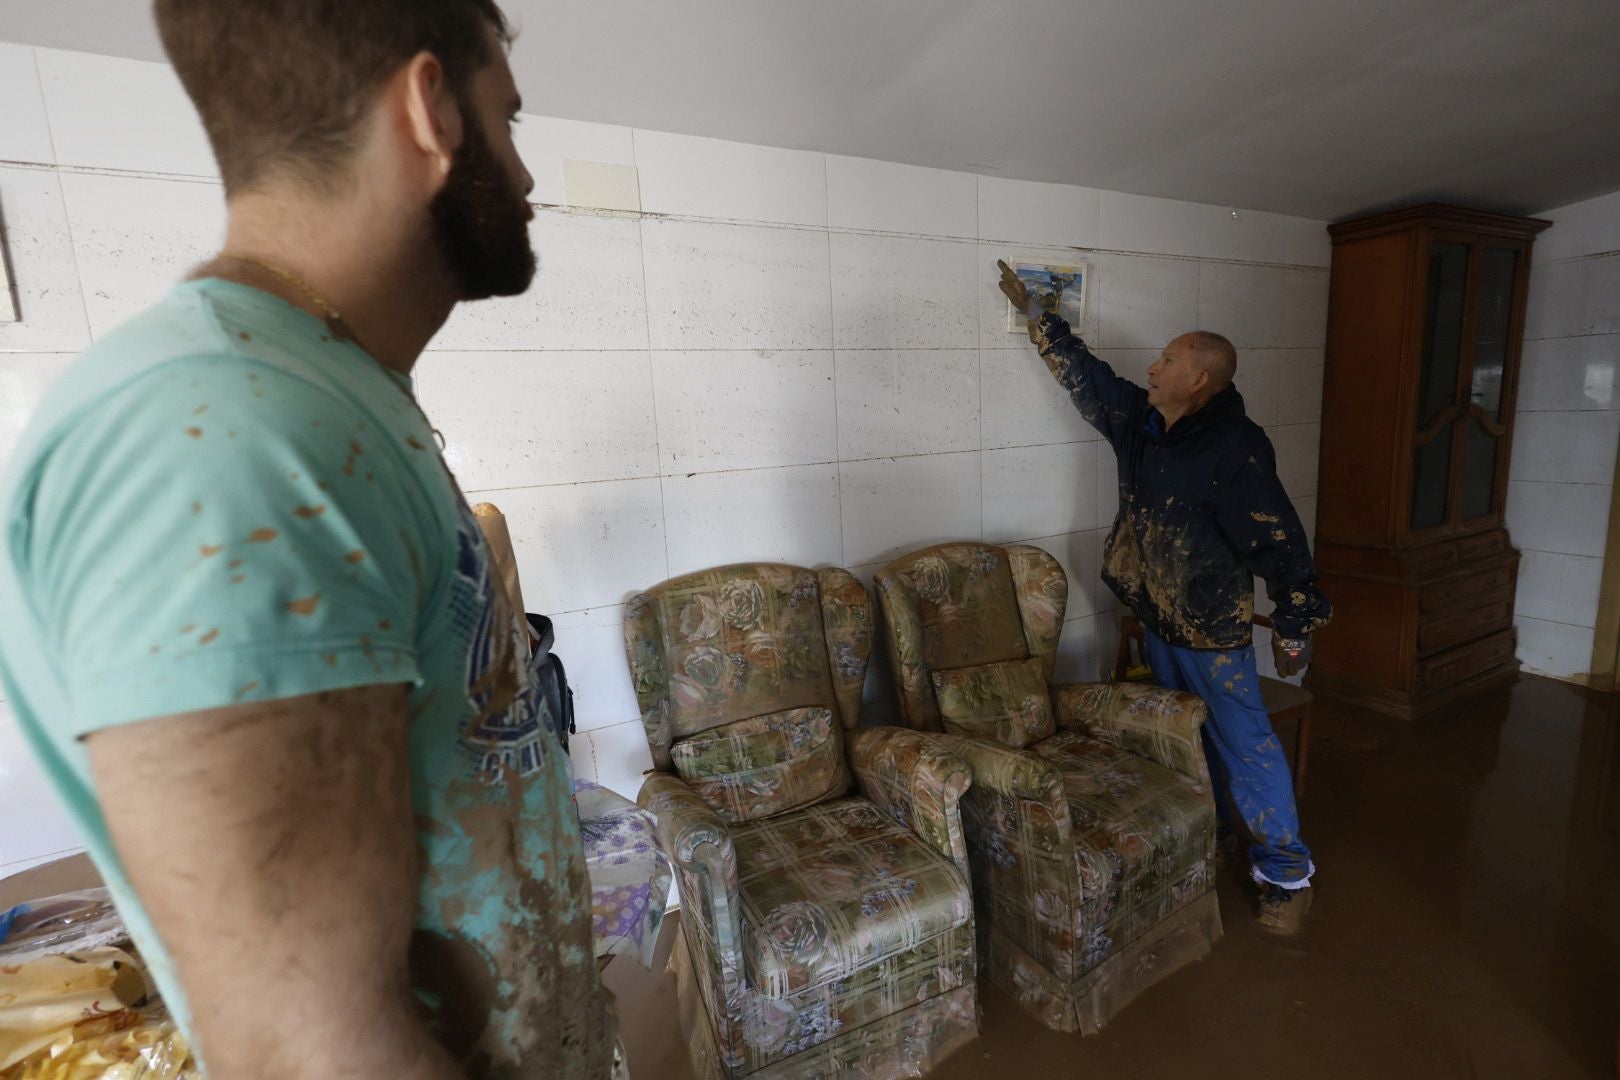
(1246,761)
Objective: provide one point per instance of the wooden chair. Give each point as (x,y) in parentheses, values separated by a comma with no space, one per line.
(1283,701)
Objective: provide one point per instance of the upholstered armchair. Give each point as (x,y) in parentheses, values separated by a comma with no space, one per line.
(824,931)
(1090,821)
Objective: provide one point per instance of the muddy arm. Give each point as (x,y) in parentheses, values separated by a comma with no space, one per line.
(917,781)
(1103,399)
(1159,725)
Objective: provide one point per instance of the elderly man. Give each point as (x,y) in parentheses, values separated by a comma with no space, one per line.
(1201,515)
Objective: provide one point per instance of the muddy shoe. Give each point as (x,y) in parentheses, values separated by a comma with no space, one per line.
(1282,911)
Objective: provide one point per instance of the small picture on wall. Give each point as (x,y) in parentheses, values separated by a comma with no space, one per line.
(1062,288)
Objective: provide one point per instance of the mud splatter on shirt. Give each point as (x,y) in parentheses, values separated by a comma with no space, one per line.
(290,571)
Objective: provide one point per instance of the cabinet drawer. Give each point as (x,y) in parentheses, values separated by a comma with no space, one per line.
(1435,559)
(1451,668)
(1481,547)
(1450,629)
(1460,590)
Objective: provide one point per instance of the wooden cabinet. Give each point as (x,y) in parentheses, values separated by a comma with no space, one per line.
(1425,319)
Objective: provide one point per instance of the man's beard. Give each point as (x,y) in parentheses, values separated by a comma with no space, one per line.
(480,220)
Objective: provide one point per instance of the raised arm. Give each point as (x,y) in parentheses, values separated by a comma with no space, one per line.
(1104,400)
(273,849)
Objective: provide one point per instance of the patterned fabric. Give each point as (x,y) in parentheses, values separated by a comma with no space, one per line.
(1006,702)
(1144,841)
(630,877)
(837,936)
(917,782)
(846,616)
(905,640)
(962,611)
(1160,725)
(1043,596)
(765,765)
(1021,849)
(1087,1004)
(1092,842)
(705,859)
(724,645)
(865,1043)
(831,889)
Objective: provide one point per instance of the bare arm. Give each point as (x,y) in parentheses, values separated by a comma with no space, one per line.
(273,847)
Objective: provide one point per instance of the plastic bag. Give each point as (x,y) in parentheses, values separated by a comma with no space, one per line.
(152,1050)
(69,922)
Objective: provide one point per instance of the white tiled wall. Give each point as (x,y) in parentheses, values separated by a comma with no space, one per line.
(786,355)
(1565,435)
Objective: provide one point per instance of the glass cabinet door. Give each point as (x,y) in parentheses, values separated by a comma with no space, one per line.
(1437,388)
(1484,421)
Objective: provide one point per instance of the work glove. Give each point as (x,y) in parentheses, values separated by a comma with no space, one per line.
(1291,654)
(1014,289)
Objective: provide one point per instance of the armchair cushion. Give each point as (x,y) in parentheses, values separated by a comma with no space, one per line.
(1005,701)
(833,889)
(965,601)
(762,766)
(1160,725)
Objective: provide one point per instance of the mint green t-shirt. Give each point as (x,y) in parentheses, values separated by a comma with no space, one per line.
(218,503)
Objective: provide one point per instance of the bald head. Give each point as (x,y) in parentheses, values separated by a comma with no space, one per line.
(1190,372)
(1216,356)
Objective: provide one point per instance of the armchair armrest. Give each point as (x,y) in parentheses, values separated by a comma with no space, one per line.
(1021,847)
(698,841)
(917,781)
(1016,774)
(1159,725)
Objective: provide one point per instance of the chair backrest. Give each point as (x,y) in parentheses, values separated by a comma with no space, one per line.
(966,603)
(736,642)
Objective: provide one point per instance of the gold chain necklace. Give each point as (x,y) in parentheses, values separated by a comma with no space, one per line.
(334,319)
(335,322)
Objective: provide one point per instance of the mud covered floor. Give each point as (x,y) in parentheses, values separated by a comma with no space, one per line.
(1466,923)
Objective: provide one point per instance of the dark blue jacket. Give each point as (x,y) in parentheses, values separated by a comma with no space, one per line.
(1201,511)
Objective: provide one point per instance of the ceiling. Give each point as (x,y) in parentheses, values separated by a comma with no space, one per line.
(1312,108)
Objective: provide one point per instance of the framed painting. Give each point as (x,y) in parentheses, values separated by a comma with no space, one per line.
(1061,288)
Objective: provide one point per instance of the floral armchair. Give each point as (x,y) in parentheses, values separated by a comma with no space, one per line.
(1090,822)
(822,932)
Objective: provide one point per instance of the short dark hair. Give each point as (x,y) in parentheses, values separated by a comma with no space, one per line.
(282,85)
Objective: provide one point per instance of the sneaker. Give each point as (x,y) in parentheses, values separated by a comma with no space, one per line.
(1282,911)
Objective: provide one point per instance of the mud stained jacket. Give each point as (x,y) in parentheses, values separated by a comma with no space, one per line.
(1201,511)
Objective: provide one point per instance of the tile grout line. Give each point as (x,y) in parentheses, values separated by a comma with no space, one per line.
(197,178)
(832,331)
(44,103)
(652,379)
(978,227)
(61,195)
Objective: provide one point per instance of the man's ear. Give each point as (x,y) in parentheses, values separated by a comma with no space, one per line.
(432,113)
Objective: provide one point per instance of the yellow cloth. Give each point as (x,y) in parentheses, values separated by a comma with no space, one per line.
(79,1016)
